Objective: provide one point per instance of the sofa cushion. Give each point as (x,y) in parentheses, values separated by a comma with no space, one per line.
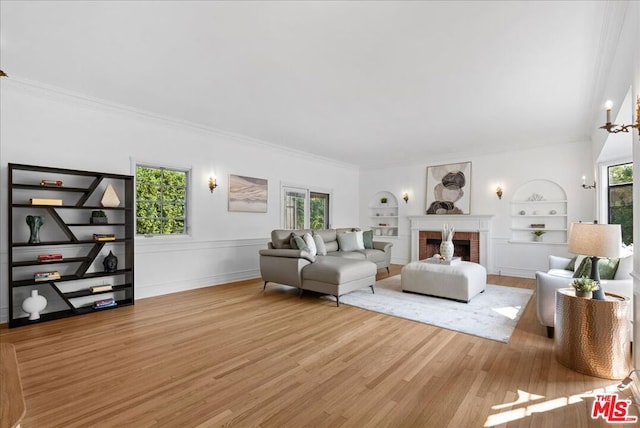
(329,238)
(624,268)
(334,270)
(347,255)
(280,238)
(311,244)
(606,268)
(320,247)
(349,241)
(374,256)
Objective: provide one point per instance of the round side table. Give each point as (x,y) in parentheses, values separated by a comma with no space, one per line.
(593,336)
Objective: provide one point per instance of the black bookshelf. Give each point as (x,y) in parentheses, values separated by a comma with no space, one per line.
(68,230)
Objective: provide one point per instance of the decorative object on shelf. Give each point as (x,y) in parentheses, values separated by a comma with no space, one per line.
(46,276)
(383,201)
(212,184)
(405,196)
(449,189)
(595,241)
(522,212)
(50,257)
(553,212)
(110,197)
(446,246)
(584,287)
(34,304)
(100,237)
(588,186)
(499,192)
(537,235)
(615,128)
(34,222)
(535,197)
(247,194)
(537,225)
(51,183)
(45,201)
(98,217)
(110,262)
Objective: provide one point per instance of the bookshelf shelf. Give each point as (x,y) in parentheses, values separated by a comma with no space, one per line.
(67,230)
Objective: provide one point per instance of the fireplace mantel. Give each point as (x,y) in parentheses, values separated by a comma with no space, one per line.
(462,223)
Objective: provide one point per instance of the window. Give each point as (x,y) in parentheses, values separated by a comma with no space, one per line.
(620,199)
(161,201)
(304,209)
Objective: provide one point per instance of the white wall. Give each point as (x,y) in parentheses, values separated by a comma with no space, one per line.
(563,164)
(44,126)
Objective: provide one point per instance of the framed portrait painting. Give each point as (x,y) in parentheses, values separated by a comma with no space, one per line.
(247,194)
(449,188)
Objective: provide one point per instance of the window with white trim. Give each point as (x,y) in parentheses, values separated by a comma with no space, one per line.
(161,200)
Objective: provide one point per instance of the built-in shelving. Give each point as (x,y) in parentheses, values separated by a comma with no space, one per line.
(383,216)
(67,230)
(539,205)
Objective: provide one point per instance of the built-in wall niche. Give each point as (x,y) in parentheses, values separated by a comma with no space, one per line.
(539,213)
(383,214)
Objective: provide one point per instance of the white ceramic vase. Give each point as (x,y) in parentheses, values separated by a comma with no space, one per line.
(34,304)
(446,250)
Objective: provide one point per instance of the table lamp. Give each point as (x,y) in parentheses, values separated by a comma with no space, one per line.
(595,241)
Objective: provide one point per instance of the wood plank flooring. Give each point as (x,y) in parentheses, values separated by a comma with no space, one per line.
(233,355)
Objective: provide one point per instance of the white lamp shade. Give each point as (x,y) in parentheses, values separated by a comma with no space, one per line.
(599,240)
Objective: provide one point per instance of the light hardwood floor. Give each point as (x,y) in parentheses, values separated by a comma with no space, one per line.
(233,355)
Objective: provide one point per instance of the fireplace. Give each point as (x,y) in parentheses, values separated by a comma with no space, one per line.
(466,245)
(471,238)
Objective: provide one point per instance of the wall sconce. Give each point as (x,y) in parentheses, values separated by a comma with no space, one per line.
(587,186)
(499,192)
(614,128)
(212,184)
(405,196)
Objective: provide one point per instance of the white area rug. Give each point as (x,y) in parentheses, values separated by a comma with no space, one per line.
(492,314)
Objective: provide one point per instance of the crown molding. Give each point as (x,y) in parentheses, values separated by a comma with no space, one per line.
(94,102)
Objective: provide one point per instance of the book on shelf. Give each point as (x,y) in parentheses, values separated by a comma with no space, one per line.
(104,237)
(109,305)
(100,288)
(44,201)
(51,183)
(49,257)
(46,276)
(104,301)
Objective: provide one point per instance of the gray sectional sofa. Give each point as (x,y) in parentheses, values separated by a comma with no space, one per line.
(339,271)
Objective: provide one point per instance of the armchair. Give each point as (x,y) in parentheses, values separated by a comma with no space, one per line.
(559,277)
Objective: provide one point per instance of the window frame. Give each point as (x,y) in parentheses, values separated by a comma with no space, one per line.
(609,186)
(188,170)
(308,190)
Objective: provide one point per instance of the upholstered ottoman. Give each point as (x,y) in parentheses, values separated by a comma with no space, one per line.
(337,276)
(461,281)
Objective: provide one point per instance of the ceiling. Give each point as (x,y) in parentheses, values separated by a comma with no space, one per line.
(369,83)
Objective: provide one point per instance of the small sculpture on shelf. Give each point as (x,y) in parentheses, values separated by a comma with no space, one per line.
(99,217)
(34,304)
(110,263)
(34,222)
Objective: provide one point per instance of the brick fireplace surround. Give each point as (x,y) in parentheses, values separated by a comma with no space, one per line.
(475,228)
(466,245)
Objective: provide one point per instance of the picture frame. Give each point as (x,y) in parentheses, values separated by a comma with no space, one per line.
(449,189)
(247,194)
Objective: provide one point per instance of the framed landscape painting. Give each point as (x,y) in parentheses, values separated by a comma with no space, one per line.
(247,194)
(449,188)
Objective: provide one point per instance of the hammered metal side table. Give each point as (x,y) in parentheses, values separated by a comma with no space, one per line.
(593,336)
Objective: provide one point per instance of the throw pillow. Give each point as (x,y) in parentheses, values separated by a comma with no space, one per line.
(606,268)
(572,264)
(292,241)
(359,239)
(367,237)
(308,239)
(320,247)
(300,244)
(348,241)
